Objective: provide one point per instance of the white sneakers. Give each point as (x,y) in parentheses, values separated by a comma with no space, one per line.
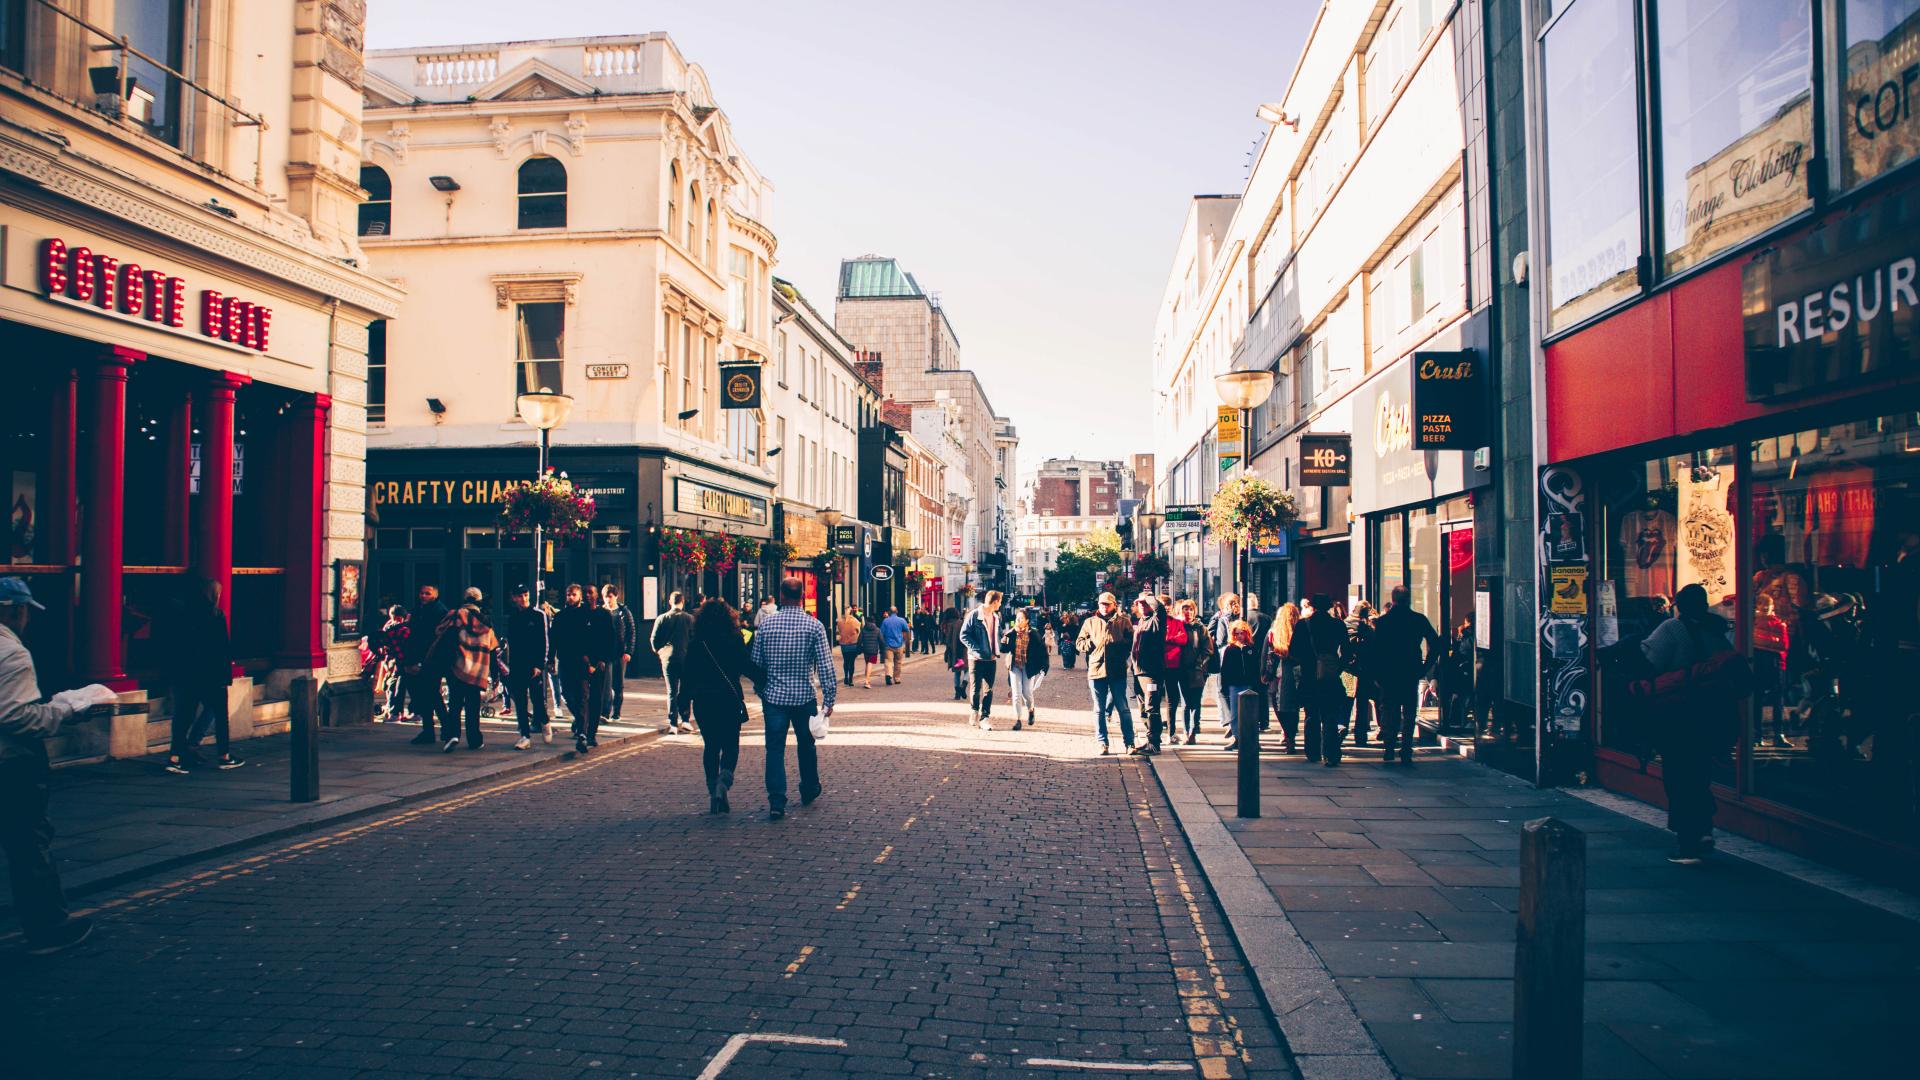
(523,743)
(547,735)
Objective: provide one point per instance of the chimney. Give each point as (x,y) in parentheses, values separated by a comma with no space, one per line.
(867,363)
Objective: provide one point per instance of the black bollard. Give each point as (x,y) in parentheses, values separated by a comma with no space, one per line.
(1549,963)
(303,773)
(1246,726)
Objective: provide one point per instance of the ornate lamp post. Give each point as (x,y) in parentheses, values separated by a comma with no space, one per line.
(543,410)
(1244,391)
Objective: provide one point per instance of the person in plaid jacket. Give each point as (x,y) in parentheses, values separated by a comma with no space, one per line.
(791,648)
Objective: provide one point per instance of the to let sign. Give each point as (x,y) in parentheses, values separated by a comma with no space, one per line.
(1449,400)
(1326,460)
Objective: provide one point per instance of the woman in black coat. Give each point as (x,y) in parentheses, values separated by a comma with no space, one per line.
(716,658)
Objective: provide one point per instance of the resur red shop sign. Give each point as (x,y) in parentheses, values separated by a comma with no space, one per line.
(85,276)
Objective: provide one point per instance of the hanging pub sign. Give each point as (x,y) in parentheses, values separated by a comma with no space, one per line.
(1838,304)
(1450,392)
(1326,460)
(740,384)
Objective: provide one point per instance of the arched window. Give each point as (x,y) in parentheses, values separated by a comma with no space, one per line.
(693,217)
(376,214)
(673,198)
(543,193)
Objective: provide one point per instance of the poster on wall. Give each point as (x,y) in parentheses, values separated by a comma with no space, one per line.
(1566,537)
(1569,590)
(649,598)
(1706,532)
(1482,619)
(348,577)
(20,518)
(1609,605)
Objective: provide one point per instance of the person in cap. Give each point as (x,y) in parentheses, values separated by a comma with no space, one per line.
(26,722)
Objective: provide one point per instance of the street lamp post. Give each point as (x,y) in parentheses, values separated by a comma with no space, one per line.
(543,410)
(1244,391)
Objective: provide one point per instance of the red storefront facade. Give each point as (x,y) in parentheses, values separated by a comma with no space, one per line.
(1732,399)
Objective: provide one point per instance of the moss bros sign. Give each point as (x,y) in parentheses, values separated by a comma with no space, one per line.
(80,275)
(1839,304)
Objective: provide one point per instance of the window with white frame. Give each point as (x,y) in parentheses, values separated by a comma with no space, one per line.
(539,347)
(739,278)
(780,353)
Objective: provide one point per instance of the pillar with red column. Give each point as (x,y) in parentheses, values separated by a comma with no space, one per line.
(306,505)
(176,522)
(213,557)
(102,558)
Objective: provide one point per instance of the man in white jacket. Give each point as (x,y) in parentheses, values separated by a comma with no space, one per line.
(26,723)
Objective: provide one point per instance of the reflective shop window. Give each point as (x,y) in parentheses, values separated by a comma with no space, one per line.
(1736,120)
(1835,622)
(1878,121)
(1592,158)
(1664,524)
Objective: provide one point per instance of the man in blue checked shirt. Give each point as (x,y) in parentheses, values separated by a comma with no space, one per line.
(791,647)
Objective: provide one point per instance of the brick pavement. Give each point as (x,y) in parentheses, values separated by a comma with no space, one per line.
(958,904)
(1404,882)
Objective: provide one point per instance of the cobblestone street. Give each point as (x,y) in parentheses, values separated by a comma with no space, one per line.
(957,904)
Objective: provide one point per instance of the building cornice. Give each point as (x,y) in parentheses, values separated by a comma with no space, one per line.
(60,172)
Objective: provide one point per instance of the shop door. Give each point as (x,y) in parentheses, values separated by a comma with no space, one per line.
(492,564)
(404,560)
(1457,670)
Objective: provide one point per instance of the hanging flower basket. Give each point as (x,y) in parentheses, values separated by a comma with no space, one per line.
(550,503)
(1248,510)
(746,549)
(682,548)
(777,551)
(1150,568)
(720,553)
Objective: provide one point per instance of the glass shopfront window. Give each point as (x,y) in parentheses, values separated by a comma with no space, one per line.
(1592,158)
(1665,524)
(1736,120)
(1879,118)
(1834,623)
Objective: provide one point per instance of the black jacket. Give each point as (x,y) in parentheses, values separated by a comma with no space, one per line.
(1404,646)
(626,628)
(422,627)
(1239,666)
(1037,659)
(529,642)
(714,665)
(671,632)
(583,639)
(201,653)
(1322,635)
(1150,643)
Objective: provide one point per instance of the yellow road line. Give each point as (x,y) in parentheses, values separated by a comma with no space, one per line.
(909,822)
(806,951)
(884,853)
(848,899)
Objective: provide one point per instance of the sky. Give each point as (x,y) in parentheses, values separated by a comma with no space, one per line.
(1028,162)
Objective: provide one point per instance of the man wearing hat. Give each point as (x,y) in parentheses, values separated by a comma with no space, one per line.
(26,723)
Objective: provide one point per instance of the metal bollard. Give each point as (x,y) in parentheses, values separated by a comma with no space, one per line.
(1246,726)
(303,771)
(1549,962)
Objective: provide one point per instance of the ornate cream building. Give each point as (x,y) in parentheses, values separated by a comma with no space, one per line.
(573,215)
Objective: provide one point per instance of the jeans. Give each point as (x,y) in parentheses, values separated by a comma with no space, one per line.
(1110,693)
(616,686)
(720,720)
(27,837)
(960,681)
(1020,690)
(778,719)
(1399,704)
(466,702)
(980,675)
(194,708)
(1363,701)
(529,698)
(423,692)
(849,655)
(1326,708)
(896,655)
(1183,705)
(679,707)
(1153,698)
(585,692)
(1230,694)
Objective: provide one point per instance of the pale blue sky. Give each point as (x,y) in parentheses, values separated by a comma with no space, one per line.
(1029,162)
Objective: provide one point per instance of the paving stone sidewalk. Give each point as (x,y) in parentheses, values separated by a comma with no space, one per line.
(115,820)
(1404,881)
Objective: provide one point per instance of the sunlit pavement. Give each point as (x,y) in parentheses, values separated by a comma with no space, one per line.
(958,903)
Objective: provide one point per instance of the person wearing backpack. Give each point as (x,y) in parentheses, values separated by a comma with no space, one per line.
(1695,717)
(1320,649)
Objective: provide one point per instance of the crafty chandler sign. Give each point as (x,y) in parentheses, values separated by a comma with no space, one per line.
(475,491)
(80,275)
(705,500)
(1837,304)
